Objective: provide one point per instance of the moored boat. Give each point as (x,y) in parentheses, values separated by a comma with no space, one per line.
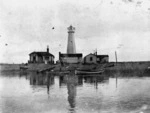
(63,72)
(80,72)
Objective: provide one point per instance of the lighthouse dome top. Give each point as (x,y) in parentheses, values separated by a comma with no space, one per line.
(71,29)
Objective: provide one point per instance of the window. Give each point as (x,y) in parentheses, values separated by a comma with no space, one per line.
(91,58)
(46,57)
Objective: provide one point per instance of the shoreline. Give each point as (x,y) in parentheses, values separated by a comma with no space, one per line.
(138,65)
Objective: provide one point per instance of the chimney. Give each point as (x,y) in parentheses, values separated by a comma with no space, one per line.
(47,49)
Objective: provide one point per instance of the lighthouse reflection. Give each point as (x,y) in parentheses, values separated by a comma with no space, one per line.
(74,81)
(69,82)
(42,79)
(71,86)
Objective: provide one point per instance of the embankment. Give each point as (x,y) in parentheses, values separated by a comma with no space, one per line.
(30,67)
(134,68)
(125,67)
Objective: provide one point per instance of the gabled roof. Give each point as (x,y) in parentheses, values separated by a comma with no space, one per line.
(42,54)
(71,55)
(90,54)
(100,56)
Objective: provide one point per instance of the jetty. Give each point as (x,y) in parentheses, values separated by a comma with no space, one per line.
(45,69)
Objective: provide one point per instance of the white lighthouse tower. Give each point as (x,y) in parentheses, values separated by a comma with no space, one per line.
(71,56)
(71,48)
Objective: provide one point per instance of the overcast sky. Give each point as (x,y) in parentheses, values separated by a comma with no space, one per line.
(108,25)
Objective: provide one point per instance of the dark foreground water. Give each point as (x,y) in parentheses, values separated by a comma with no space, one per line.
(42,93)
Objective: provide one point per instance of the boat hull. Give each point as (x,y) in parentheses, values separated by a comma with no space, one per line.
(78,72)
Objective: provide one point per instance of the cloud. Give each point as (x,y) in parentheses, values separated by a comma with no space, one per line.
(27,26)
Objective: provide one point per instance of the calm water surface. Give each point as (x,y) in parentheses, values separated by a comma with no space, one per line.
(43,93)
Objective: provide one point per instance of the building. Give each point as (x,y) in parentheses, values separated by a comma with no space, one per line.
(94,58)
(102,58)
(71,48)
(90,59)
(41,57)
(71,56)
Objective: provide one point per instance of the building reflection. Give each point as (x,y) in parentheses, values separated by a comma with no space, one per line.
(74,81)
(23,74)
(63,80)
(90,79)
(42,79)
(95,80)
(80,80)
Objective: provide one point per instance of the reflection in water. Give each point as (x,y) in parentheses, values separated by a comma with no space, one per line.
(23,74)
(116,81)
(132,94)
(80,80)
(116,75)
(63,80)
(95,80)
(83,79)
(42,79)
(71,86)
(71,81)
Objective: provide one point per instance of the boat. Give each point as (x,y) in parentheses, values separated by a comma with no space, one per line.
(63,72)
(81,72)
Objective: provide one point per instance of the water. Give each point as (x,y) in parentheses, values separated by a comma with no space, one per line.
(42,93)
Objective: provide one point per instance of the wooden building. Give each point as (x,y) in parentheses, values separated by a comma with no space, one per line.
(94,58)
(90,59)
(102,58)
(41,57)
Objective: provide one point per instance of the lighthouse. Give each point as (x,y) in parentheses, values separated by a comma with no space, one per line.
(71,48)
(71,56)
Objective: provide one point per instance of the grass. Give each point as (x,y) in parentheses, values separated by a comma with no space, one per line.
(129,69)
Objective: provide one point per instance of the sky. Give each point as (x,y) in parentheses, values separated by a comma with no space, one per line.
(105,25)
